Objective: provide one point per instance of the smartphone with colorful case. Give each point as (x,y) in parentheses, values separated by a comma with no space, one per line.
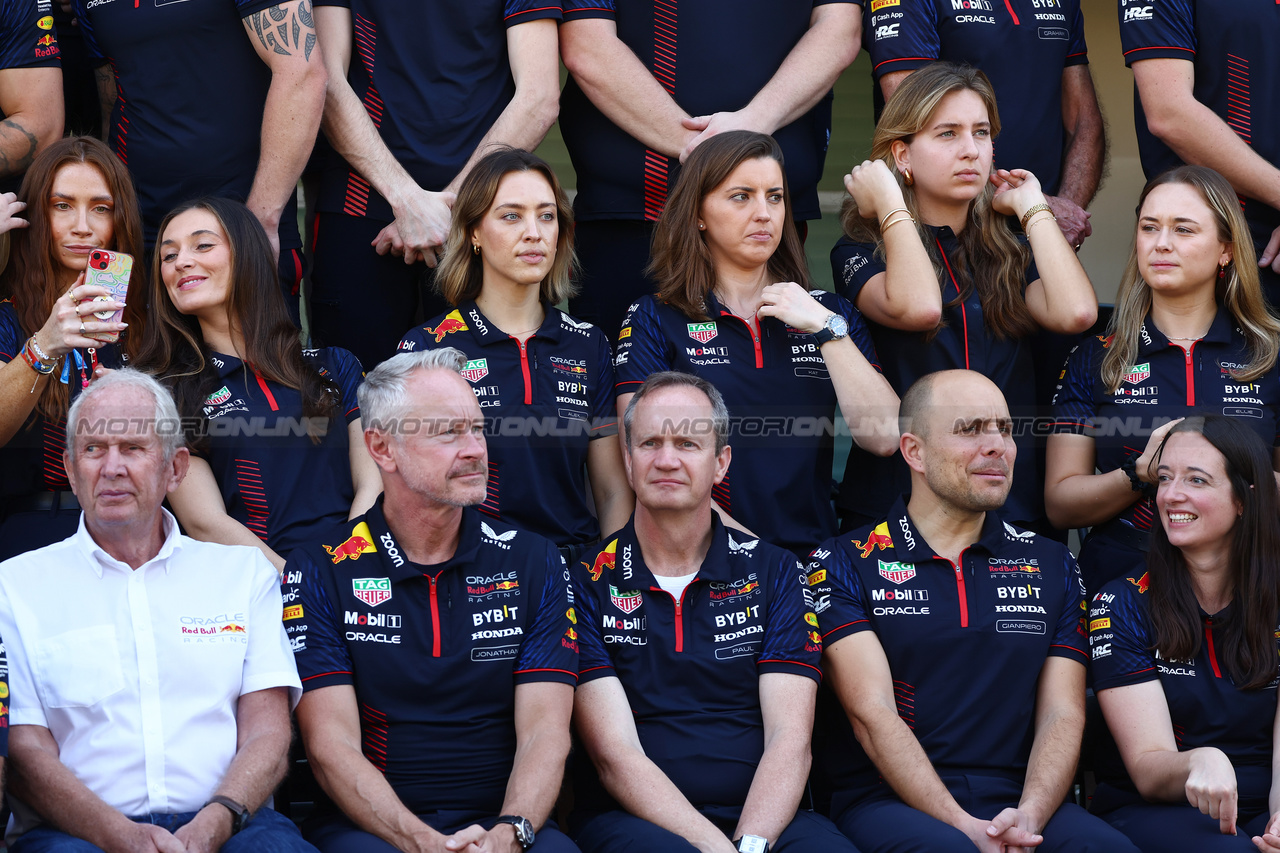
(110,270)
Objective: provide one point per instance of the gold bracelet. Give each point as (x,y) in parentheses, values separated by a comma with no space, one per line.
(1033,210)
(1038,221)
(896,221)
(891,213)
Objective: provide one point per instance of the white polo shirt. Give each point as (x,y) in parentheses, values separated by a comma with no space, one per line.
(137,672)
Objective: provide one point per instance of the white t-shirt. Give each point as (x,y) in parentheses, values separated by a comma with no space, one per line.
(136,673)
(676,585)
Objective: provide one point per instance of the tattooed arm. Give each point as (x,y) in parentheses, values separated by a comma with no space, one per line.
(285,38)
(31,100)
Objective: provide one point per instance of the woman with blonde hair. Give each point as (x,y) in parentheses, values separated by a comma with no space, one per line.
(1191,333)
(543,379)
(944,281)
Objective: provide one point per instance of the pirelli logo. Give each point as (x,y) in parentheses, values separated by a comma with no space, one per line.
(877,5)
(1099,624)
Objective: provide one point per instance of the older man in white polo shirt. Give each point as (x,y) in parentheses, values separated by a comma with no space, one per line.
(152,679)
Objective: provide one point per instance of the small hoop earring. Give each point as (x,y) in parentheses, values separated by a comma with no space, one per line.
(907,179)
(475,248)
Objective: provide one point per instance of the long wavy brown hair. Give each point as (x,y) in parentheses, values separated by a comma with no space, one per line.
(990,258)
(680,260)
(1245,639)
(174,350)
(35,278)
(1239,290)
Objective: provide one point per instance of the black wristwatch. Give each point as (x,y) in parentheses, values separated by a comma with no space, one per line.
(524,829)
(836,328)
(1130,468)
(239,814)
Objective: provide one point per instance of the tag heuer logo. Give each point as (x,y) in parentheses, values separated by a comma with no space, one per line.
(476,369)
(1138,373)
(222,395)
(896,572)
(624,601)
(372,591)
(702,332)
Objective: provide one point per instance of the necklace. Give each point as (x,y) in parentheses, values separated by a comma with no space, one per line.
(740,315)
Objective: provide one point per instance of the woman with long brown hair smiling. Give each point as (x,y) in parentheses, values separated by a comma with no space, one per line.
(1184,652)
(78,197)
(278,451)
(944,281)
(734,307)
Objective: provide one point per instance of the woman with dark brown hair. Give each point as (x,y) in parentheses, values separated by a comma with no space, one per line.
(734,307)
(931,260)
(544,379)
(278,451)
(78,197)
(1184,653)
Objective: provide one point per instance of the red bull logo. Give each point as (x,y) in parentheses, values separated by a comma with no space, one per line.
(506,585)
(815,638)
(352,548)
(232,628)
(1143,583)
(45,40)
(606,559)
(451,323)
(879,538)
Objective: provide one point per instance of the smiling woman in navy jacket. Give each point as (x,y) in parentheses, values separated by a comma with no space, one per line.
(277,446)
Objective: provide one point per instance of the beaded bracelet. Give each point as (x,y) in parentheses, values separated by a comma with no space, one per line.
(40,353)
(31,354)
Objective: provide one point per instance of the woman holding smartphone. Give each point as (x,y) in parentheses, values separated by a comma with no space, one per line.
(77,198)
